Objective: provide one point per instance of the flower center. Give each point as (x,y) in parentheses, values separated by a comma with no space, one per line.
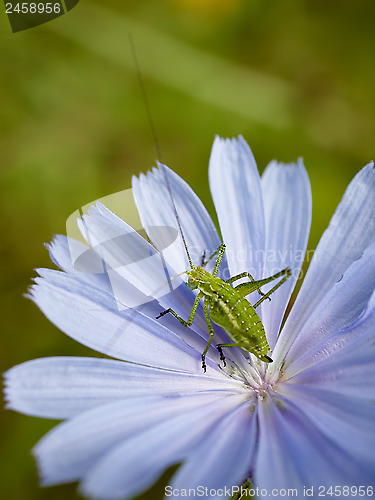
(253,377)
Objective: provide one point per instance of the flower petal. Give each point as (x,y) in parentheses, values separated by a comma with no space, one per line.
(90,316)
(287,206)
(237,194)
(341,306)
(63,250)
(62,387)
(351,372)
(223,458)
(294,454)
(137,462)
(155,209)
(351,230)
(346,421)
(359,335)
(71,449)
(128,258)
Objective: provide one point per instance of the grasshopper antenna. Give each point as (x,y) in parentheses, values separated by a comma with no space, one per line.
(157,145)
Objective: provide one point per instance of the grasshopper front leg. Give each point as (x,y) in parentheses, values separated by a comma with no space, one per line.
(192,314)
(190,321)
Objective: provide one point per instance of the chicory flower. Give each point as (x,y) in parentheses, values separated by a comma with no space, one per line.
(304,422)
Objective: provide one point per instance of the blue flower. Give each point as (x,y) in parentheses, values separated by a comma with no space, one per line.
(306,420)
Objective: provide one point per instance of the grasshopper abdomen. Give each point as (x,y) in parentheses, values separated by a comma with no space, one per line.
(232,311)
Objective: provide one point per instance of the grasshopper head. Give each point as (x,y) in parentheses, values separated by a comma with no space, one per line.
(196,276)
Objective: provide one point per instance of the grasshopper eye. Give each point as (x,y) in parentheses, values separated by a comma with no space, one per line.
(191,284)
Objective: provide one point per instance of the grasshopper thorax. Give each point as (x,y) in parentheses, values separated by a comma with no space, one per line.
(197,276)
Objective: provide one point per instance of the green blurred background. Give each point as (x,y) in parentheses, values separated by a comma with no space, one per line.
(294,77)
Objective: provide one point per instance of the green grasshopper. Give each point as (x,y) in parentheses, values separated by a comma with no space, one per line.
(227,306)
